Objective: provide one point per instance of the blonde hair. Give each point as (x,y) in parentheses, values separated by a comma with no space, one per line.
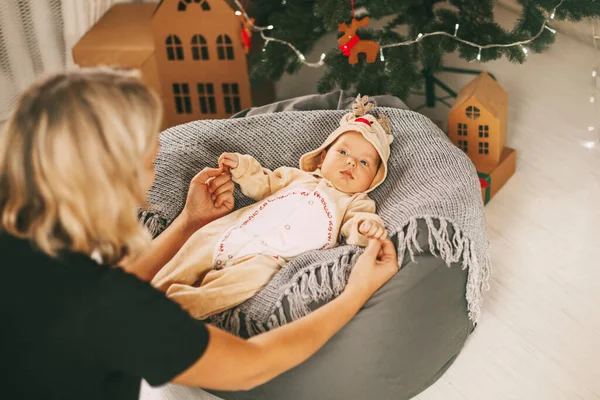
(72,160)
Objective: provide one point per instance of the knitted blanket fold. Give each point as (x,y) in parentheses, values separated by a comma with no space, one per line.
(429,179)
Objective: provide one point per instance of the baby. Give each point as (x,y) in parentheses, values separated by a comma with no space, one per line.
(297,210)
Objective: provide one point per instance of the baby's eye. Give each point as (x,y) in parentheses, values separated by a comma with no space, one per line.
(343,152)
(363,162)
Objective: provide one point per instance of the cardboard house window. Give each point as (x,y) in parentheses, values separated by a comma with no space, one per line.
(484,131)
(182,5)
(224,47)
(462,129)
(183,102)
(206,95)
(231,96)
(174,48)
(484,148)
(473,112)
(464,145)
(199,48)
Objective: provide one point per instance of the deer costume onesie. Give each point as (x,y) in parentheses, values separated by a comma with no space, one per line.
(297,210)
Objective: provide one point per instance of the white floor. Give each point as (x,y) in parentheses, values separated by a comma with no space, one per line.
(539,335)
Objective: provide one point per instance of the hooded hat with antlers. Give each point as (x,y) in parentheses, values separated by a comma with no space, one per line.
(377,130)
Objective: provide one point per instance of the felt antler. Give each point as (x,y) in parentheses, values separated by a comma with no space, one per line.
(385,123)
(361,105)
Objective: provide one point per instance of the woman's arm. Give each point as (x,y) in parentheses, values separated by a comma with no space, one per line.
(163,248)
(210,197)
(231,363)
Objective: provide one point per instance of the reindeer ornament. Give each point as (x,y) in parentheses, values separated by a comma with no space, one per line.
(351,45)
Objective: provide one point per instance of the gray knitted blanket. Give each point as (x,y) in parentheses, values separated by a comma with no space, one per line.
(429,179)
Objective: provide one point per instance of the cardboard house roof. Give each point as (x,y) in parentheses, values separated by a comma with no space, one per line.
(124,31)
(487,91)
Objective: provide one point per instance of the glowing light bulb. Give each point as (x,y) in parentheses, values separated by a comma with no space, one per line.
(524,50)
(456,29)
(592,99)
(594,73)
(301,56)
(238,13)
(323,55)
(553,14)
(270,27)
(419,36)
(550,29)
(381,57)
(479,55)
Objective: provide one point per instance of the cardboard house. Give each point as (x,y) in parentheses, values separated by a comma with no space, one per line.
(189,51)
(477,124)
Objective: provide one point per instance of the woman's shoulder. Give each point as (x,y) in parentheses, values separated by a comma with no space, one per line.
(26,263)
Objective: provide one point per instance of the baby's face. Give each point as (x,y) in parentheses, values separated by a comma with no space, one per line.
(351,163)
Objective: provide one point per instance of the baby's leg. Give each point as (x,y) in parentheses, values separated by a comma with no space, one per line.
(226,288)
(192,261)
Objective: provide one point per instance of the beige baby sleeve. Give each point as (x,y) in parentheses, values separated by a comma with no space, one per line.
(257,182)
(360,210)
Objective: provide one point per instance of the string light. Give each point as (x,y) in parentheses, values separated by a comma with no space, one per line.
(265,45)
(419,37)
(524,50)
(554,10)
(267,39)
(595,142)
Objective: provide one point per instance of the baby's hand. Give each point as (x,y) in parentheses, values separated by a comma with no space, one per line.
(372,230)
(229,161)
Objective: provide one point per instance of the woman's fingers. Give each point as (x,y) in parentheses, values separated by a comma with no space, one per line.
(225,187)
(372,249)
(223,198)
(388,251)
(219,181)
(207,173)
(228,187)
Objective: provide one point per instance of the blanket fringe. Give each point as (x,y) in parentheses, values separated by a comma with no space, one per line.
(322,283)
(153,221)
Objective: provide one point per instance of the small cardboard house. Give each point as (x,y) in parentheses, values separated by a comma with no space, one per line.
(477,124)
(189,51)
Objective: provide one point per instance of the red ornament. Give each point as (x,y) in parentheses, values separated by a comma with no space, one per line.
(346,48)
(483,183)
(351,45)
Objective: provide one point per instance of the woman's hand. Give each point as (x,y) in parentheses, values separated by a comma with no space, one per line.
(229,161)
(210,197)
(373,268)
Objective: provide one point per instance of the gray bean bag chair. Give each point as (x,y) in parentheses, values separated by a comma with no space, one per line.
(414,327)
